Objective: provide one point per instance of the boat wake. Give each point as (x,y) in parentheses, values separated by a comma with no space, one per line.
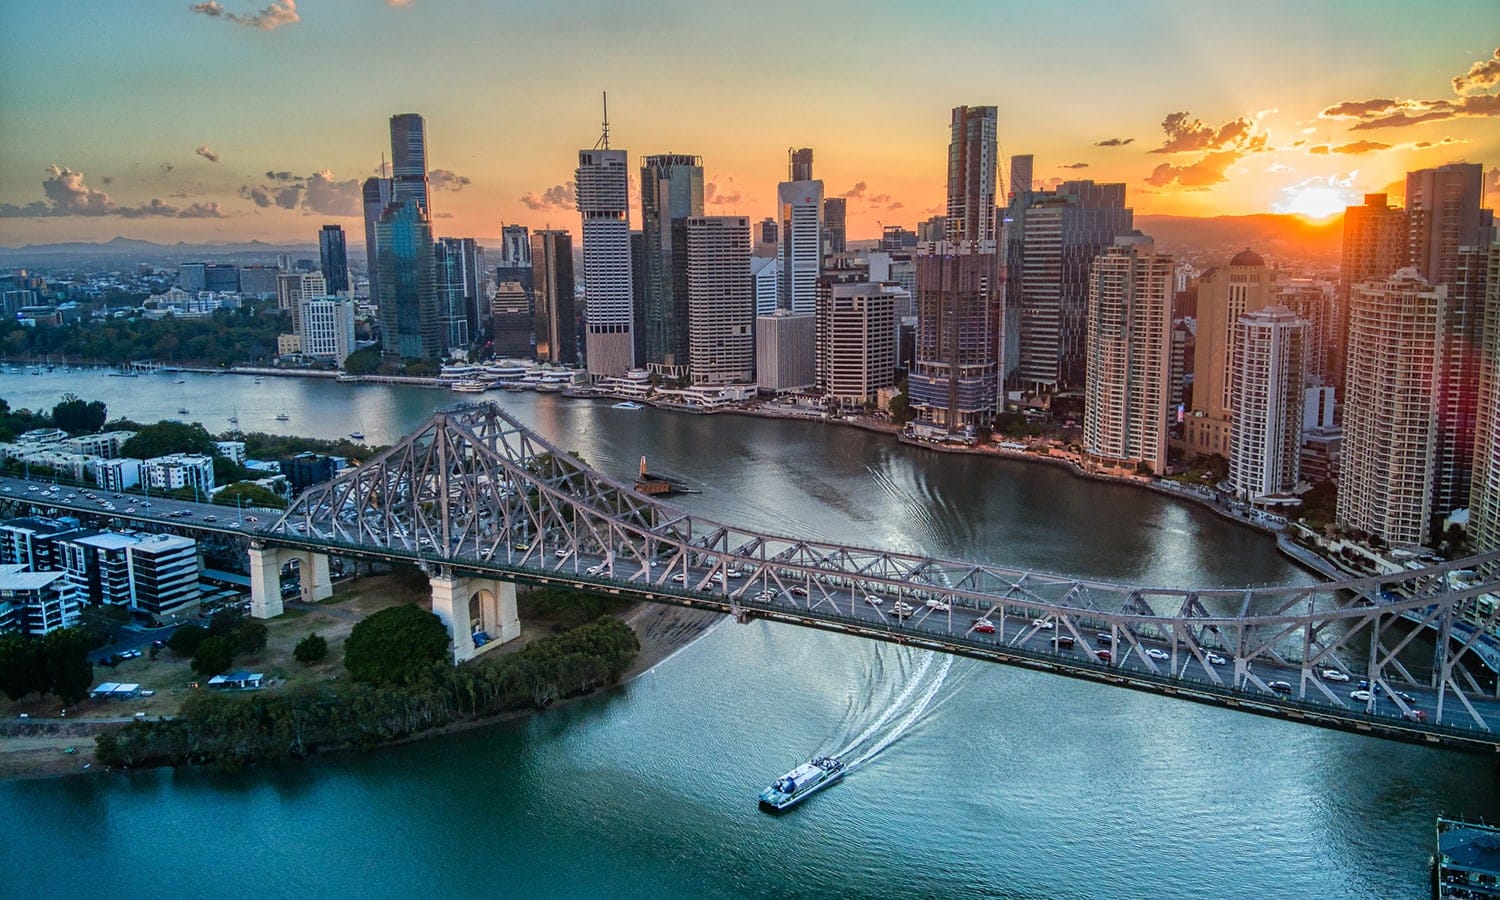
(903,688)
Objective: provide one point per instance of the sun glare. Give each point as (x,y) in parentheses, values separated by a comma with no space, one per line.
(1315,202)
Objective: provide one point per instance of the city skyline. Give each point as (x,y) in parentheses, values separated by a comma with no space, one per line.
(194,125)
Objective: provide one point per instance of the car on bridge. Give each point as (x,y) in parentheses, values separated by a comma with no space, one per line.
(1104,655)
(1158,654)
(938,605)
(1214,659)
(984,626)
(1043,624)
(873,600)
(1104,640)
(1334,675)
(1280,687)
(1362,696)
(1062,642)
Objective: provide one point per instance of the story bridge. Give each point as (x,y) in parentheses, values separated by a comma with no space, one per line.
(481,503)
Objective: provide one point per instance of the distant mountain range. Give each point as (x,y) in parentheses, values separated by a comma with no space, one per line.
(1203,241)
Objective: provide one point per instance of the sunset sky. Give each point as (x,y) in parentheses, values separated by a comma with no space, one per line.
(169,120)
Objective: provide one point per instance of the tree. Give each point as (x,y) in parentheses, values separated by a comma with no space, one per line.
(225,622)
(310,649)
(20,673)
(214,656)
(244,493)
(185,640)
(395,646)
(76,416)
(251,637)
(65,654)
(362,362)
(169,437)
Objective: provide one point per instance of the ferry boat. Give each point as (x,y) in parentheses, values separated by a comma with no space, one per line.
(801,783)
(283,417)
(470,386)
(549,387)
(626,404)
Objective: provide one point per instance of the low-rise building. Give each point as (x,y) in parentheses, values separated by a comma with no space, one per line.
(35,603)
(179,470)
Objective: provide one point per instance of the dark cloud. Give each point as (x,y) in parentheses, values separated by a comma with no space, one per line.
(276,14)
(880,199)
(108,179)
(1114,142)
(722,192)
(447,180)
(208,154)
(68,195)
(319,193)
(857,191)
(1078,165)
(559,196)
(895,206)
(1482,75)
(282,176)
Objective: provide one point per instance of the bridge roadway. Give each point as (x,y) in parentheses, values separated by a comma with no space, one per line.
(1021,637)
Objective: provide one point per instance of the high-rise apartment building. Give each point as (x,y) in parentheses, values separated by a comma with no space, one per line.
(973,170)
(409,161)
(768,231)
(721,307)
(801,258)
(1315,302)
(1443,214)
(671,189)
(552,283)
(376,194)
(1052,238)
(1375,246)
(1129,355)
(1225,294)
(334,258)
(1269,362)
(1390,414)
(1458,376)
(410,312)
(856,337)
(603,193)
(293,287)
(326,327)
(953,381)
(835,214)
(1484,489)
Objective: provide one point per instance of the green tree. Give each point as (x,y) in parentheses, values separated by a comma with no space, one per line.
(225,622)
(311,649)
(395,646)
(251,637)
(243,493)
(65,656)
(20,673)
(76,416)
(185,640)
(214,656)
(362,362)
(169,437)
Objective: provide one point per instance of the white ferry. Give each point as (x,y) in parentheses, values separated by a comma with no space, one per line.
(470,386)
(626,404)
(801,783)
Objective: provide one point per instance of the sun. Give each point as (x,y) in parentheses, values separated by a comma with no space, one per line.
(1315,201)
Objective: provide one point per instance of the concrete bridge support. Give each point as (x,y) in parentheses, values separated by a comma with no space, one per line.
(265,578)
(472,606)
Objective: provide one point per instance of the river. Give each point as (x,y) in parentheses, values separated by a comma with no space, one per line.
(974,779)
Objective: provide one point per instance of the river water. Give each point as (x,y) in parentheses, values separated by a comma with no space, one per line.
(973,779)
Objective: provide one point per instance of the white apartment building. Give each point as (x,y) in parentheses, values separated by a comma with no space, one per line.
(856,341)
(721,308)
(603,190)
(179,470)
(1269,366)
(325,328)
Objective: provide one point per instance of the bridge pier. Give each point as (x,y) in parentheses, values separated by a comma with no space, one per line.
(265,578)
(469,606)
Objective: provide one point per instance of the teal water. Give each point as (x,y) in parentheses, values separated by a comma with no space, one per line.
(974,780)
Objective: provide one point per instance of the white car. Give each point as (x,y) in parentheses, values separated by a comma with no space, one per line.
(561,552)
(873,600)
(1158,654)
(939,605)
(734,573)
(1334,675)
(596,570)
(766,596)
(1214,659)
(1043,624)
(680,578)
(1361,696)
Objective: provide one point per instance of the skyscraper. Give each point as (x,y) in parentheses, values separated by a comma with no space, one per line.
(377,195)
(515,246)
(835,211)
(511,327)
(953,382)
(1375,246)
(335,258)
(552,282)
(856,336)
(461,281)
(801,258)
(409,161)
(410,316)
(769,231)
(1315,302)
(1269,361)
(294,287)
(604,203)
(1458,376)
(1129,350)
(1484,490)
(671,189)
(1443,214)
(973,170)
(1020,174)
(1390,415)
(1225,294)
(1052,239)
(721,307)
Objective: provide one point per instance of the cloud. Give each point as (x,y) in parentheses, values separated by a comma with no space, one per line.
(276,14)
(1077,165)
(1482,75)
(559,196)
(69,195)
(1221,147)
(1114,142)
(1338,188)
(208,154)
(856,192)
(108,179)
(319,193)
(895,206)
(1492,181)
(722,191)
(1278,167)
(447,180)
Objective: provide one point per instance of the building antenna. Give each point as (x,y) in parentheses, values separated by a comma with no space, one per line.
(604,135)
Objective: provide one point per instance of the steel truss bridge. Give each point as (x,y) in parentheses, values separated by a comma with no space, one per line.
(474,493)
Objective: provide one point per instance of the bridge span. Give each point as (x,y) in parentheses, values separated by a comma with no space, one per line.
(481,503)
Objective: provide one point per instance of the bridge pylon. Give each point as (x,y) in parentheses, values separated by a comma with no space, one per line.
(266,563)
(480,613)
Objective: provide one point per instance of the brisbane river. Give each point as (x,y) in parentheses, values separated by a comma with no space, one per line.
(969,778)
